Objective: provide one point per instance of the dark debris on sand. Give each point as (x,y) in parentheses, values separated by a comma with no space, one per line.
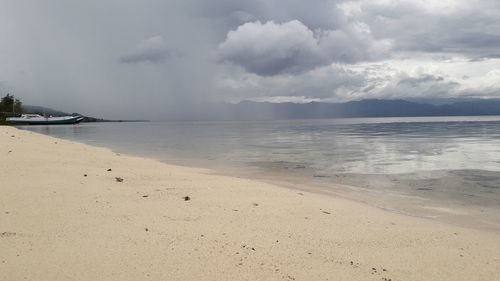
(8,234)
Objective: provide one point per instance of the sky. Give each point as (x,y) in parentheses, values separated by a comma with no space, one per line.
(159,59)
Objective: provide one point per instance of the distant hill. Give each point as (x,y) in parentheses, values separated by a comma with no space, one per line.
(43,110)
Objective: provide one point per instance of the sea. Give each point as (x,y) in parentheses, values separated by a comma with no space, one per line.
(436,168)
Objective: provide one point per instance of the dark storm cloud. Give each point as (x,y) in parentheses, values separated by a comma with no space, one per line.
(282,37)
(416,81)
(323,14)
(464,27)
(319,84)
(339,83)
(291,41)
(291,47)
(485,57)
(153,50)
(458,27)
(68,54)
(270,48)
(423,85)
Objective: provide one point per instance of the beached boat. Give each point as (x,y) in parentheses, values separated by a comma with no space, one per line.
(36,119)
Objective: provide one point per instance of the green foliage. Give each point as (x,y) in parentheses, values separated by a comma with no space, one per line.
(18,106)
(8,104)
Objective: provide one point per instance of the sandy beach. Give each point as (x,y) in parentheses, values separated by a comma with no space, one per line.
(70,211)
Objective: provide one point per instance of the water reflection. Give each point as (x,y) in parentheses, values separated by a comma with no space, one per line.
(329,146)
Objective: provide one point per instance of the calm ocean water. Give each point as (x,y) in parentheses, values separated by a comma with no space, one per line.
(438,167)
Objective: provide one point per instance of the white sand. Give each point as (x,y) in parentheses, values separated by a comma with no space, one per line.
(57,224)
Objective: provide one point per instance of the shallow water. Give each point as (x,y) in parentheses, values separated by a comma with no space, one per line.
(436,167)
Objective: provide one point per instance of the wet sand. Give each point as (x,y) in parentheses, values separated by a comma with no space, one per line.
(468,198)
(70,211)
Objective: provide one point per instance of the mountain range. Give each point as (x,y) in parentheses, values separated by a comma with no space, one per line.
(250,110)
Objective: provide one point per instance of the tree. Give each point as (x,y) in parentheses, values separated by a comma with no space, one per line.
(18,106)
(6,104)
(9,105)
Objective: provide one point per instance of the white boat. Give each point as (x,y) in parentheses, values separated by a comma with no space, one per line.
(36,119)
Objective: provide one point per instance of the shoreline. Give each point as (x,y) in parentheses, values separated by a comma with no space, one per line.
(454,214)
(459,196)
(483,218)
(58,224)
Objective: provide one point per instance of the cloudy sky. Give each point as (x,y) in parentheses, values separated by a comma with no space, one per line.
(155,59)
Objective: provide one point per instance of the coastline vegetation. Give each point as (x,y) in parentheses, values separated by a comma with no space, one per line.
(9,107)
